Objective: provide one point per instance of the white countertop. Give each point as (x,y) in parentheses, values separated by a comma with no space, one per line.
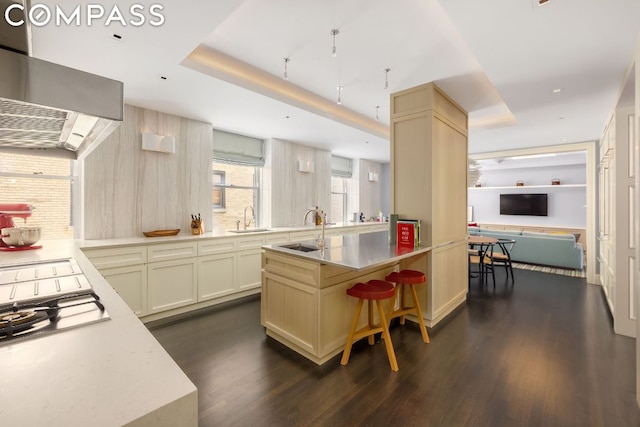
(132,241)
(113,372)
(353,251)
(109,373)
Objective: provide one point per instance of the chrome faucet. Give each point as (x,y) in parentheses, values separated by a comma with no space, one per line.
(323,221)
(306,214)
(253,215)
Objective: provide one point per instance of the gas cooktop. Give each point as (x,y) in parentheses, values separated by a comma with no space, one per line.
(46,297)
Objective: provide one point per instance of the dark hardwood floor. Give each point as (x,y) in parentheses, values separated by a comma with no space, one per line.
(539,353)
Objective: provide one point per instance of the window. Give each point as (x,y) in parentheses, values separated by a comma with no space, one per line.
(46,184)
(341,173)
(338,199)
(218,189)
(236,190)
(237,168)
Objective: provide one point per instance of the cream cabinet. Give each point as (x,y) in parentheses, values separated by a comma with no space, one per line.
(276,238)
(172,284)
(216,276)
(299,236)
(616,253)
(217,268)
(249,262)
(217,246)
(249,269)
(171,251)
(117,257)
(130,283)
(158,280)
(429,183)
(126,271)
(304,303)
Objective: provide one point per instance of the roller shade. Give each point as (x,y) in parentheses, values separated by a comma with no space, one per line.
(237,149)
(341,166)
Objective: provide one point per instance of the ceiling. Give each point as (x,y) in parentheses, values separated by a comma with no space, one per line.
(224,60)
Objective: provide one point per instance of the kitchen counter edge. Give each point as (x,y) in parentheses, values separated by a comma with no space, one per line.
(104,374)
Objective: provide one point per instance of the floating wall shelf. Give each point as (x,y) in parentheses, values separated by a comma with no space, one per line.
(524,187)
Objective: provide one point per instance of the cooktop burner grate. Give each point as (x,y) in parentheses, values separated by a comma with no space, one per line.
(34,318)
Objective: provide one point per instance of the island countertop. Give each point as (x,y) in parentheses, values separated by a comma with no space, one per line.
(109,373)
(356,251)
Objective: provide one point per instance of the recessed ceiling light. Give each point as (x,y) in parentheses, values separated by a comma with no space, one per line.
(564,139)
(557,90)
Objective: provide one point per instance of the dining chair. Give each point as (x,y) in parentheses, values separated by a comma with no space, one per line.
(484,262)
(503,258)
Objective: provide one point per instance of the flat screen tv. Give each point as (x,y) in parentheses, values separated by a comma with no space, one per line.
(523,204)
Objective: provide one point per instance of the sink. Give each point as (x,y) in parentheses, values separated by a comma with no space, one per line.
(249,230)
(300,247)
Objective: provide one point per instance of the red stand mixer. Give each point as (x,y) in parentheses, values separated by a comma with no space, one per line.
(9,211)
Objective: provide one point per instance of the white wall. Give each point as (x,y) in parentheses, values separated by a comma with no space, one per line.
(566,208)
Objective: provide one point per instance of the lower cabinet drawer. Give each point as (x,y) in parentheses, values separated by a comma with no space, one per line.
(300,236)
(171,251)
(116,257)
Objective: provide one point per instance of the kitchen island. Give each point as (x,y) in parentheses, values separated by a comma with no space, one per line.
(304,301)
(110,373)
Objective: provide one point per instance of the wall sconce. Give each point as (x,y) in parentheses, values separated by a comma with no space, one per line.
(305,166)
(160,143)
(373,177)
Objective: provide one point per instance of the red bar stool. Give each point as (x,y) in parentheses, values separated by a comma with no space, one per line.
(408,278)
(373,290)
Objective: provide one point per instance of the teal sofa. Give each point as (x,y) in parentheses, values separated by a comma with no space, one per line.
(556,250)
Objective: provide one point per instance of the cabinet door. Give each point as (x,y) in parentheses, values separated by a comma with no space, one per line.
(171,284)
(216,276)
(249,269)
(131,284)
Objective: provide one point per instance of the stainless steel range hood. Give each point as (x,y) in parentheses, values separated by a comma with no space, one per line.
(49,109)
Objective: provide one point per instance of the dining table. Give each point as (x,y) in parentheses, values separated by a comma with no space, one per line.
(483,244)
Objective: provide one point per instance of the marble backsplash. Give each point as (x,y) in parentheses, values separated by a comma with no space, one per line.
(290,192)
(128,190)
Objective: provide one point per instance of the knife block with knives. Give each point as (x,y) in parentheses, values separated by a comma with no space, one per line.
(196,225)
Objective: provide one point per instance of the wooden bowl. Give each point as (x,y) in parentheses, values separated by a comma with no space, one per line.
(161,233)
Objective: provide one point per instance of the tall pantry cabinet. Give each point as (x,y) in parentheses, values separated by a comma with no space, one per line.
(616,232)
(429,144)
